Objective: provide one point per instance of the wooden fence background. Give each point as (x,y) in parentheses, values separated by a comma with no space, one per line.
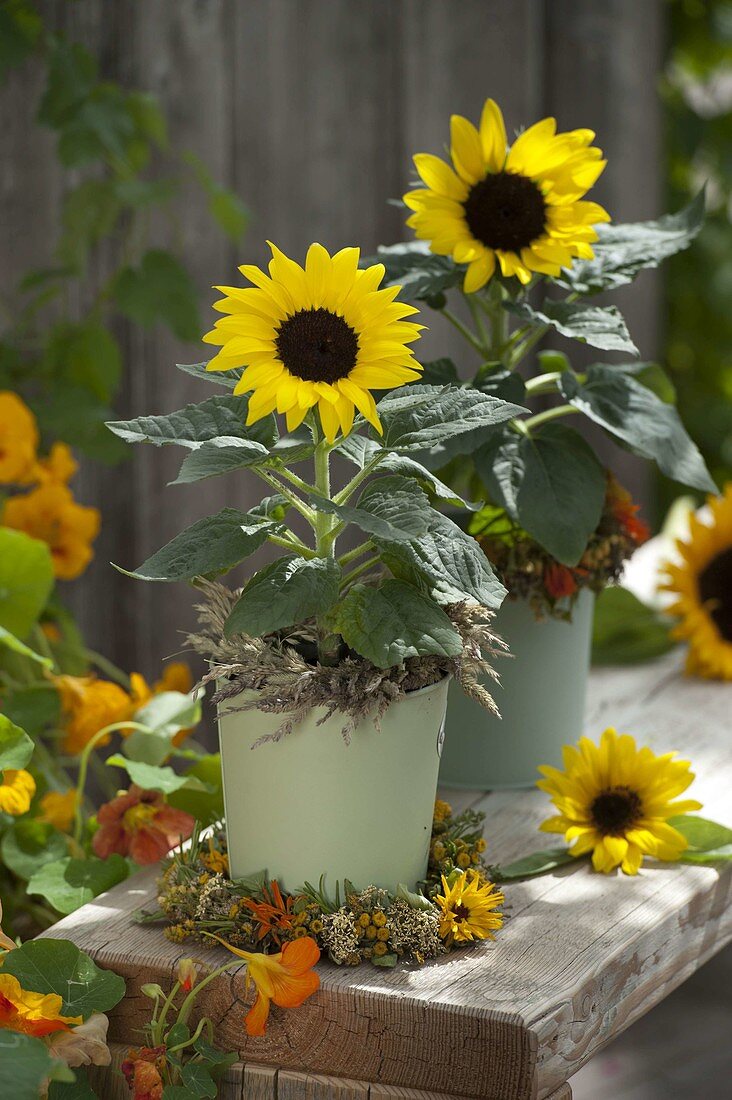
(310,110)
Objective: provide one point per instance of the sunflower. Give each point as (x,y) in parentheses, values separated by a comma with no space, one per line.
(614,801)
(324,335)
(702,585)
(519,205)
(468,908)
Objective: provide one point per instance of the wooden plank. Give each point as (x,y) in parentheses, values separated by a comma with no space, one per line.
(259,1082)
(562,1093)
(312,1086)
(581,958)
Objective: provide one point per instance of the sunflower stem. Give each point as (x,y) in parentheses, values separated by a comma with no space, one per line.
(362,567)
(351,555)
(299,505)
(292,543)
(465,332)
(328,643)
(547,415)
(543,383)
(347,492)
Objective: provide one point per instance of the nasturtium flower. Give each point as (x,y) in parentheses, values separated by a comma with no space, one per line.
(323,336)
(286,979)
(469,908)
(35,1014)
(701,583)
(16,791)
(51,514)
(85,1045)
(87,706)
(18,440)
(59,465)
(59,808)
(143,1070)
(519,207)
(140,824)
(614,800)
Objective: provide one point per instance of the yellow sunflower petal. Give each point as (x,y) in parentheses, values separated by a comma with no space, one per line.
(493,136)
(466,150)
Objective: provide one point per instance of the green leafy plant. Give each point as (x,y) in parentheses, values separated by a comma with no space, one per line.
(66,362)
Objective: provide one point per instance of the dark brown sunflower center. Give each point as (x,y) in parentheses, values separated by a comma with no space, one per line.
(715,591)
(506,211)
(460,913)
(317,345)
(615,810)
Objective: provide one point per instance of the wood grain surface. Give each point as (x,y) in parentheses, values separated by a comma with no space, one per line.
(581,958)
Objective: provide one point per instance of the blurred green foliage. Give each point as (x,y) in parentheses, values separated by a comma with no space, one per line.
(697,89)
(58,347)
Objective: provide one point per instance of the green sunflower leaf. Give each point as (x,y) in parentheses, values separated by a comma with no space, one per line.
(211,545)
(550,482)
(160,289)
(420,273)
(538,863)
(196,424)
(439,414)
(394,621)
(227,378)
(58,966)
(360,449)
(600,326)
(220,456)
(16,747)
(393,508)
(708,840)
(287,591)
(69,883)
(632,413)
(622,251)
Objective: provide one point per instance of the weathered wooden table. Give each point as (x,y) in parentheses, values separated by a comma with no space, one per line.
(582,957)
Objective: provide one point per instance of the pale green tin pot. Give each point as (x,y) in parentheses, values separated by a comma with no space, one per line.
(541,697)
(310,804)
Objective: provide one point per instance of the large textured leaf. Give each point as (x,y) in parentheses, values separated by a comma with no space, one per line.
(442,413)
(226,378)
(633,413)
(551,483)
(393,508)
(624,250)
(69,883)
(360,450)
(16,747)
(420,273)
(601,326)
(58,966)
(220,456)
(393,622)
(26,580)
(196,424)
(288,591)
(25,1062)
(212,545)
(446,562)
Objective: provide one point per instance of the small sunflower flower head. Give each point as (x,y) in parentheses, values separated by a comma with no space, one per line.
(322,336)
(700,582)
(518,209)
(469,908)
(614,801)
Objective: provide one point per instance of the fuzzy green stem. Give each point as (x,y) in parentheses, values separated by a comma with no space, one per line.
(348,490)
(300,505)
(363,567)
(351,555)
(465,332)
(293,544)
(326,532)
(305,486)
(547,415)
(187,1006)
(543,383)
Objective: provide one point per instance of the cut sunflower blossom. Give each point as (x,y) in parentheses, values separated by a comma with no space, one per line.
(614,801)
(320,336)
(701,586)
(519,208)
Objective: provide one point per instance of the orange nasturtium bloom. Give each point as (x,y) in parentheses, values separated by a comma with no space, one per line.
(140,824)
(50,514)
(287,978)
(59,808)
(18,440)
(32,1013)
(88,705)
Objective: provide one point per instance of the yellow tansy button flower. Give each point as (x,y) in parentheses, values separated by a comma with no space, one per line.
(16,791)
(18,440)
(51,514)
